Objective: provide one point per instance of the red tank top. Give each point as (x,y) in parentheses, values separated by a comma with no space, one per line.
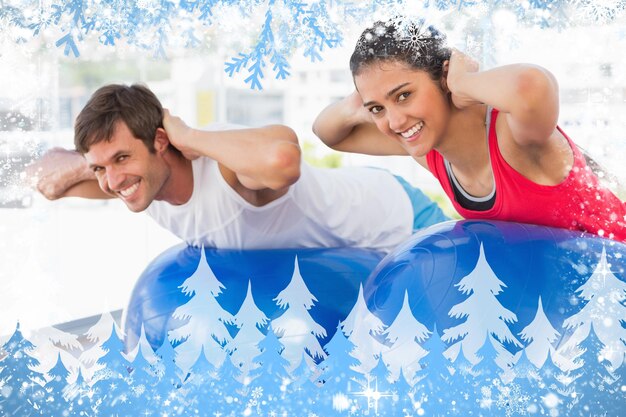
(577,203)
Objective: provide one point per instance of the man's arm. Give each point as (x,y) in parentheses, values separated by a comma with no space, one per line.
(64,173)
(261,158)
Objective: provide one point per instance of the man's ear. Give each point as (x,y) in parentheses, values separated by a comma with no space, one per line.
(161,141)
(444,76)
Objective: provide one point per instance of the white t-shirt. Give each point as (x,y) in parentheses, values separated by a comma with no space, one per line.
(357,207)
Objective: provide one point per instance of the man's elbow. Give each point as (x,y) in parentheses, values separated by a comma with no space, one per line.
(50,191)
(285,164)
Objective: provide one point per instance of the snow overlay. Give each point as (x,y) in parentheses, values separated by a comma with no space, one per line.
(267,33)
(224,364)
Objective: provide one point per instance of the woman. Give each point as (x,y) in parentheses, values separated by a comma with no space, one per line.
(490,137)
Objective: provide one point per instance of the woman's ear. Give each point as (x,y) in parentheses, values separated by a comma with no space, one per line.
(161,140)
(444,76)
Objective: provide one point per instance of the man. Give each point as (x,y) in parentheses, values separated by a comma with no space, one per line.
(230,187)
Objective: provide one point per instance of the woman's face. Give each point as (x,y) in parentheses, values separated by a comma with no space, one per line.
(406,104)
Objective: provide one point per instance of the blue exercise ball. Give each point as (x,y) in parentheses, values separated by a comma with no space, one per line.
(188,291)
(473,307)
(465,318)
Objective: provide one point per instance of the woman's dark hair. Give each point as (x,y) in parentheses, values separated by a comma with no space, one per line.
(419,46)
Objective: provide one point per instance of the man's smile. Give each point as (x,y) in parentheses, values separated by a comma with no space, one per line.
(130,190)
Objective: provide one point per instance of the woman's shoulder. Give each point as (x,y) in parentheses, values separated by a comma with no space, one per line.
(546,161)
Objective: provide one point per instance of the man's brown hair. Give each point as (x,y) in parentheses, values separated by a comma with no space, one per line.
(134,105)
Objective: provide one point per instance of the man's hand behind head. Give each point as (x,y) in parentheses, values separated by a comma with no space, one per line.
(179,134)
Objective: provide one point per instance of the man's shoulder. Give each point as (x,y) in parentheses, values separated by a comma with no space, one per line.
(353,176)
(202,165)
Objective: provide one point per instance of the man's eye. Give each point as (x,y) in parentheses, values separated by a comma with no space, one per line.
(122,158)
(96,170)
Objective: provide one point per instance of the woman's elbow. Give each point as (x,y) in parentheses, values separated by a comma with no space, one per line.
(321,130)
(537,90)
(537,100)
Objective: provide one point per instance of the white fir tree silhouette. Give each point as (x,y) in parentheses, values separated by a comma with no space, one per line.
(604,294)
(484,316)
(206,319)
(540,336)
(50,343)
(361,326)
(297,330)
(98,334)
(405,335)
(144,346)
(249,320)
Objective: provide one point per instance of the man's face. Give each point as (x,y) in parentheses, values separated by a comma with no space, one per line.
(125,168)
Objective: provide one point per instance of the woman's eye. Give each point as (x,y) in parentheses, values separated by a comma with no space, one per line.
(403,96)
(376,109)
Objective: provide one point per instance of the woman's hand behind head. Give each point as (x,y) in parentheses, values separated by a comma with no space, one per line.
(455,71)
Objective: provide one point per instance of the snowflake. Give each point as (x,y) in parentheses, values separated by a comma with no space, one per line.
(368,39)
(486,401)
(363,46)
(24,388)
(414,37)
(257,392)
(138,390)
(511,399)
(146,4)
(601,11)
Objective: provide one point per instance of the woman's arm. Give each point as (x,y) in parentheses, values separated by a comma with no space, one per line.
(527,94)
(265,157)
(347,126)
